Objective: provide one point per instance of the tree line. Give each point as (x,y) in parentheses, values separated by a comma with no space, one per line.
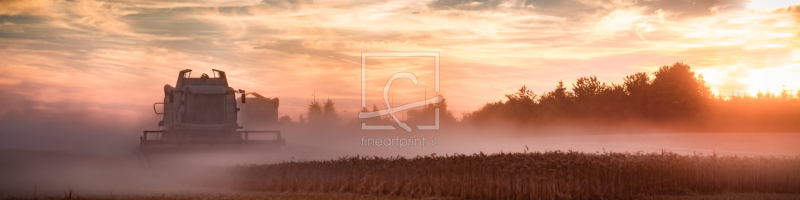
(673,95)
(325,115)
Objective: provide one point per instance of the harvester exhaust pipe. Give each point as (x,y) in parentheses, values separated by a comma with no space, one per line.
(243,95)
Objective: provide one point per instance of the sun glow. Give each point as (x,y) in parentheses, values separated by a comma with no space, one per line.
(772,79)
(741,79)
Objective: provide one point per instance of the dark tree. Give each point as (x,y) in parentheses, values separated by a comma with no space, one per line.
(637,87)
(314,112)
(329,112)
(426,115)
(675,92)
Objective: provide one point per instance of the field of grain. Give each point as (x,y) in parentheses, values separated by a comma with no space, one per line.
(214,196)
(530,175)
(326,196)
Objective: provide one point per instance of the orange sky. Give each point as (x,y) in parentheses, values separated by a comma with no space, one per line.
(115,56)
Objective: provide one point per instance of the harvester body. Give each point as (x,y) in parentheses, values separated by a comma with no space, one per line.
(202,111)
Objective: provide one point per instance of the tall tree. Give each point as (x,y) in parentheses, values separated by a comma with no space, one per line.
(677,92)
(585,91)
(314,112)
(556,103)
(586,88)
(521,104)
(637,87)
(329,112)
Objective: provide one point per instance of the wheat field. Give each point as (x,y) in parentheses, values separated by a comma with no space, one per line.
(532,175)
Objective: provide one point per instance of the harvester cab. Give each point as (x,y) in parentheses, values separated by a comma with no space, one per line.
(203,112)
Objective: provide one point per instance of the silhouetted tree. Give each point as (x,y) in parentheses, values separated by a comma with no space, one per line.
(329,112)
(518,108)
(637,87)
(324,115)
(521,103)
(586,88)
(676,92)
(610,104)
(314,112)
(556,103)
(285,120)
(380,120)
(786,95)
(585,92)
(426,115)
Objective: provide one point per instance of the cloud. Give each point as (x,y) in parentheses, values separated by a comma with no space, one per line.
(98,52)
(692,9)
(287,4)
(480,4)
(27,7)
(103,16)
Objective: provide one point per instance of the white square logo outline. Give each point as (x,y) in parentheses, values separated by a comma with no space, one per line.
(390,111)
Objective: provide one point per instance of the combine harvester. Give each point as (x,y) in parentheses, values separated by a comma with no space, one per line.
(201,114)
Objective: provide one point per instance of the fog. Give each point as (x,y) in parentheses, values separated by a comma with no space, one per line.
(495,140)
(53,171)
(50,153)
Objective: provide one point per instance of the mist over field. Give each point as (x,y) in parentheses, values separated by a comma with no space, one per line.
(92,162)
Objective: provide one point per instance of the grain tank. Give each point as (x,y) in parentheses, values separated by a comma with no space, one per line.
(203,110)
